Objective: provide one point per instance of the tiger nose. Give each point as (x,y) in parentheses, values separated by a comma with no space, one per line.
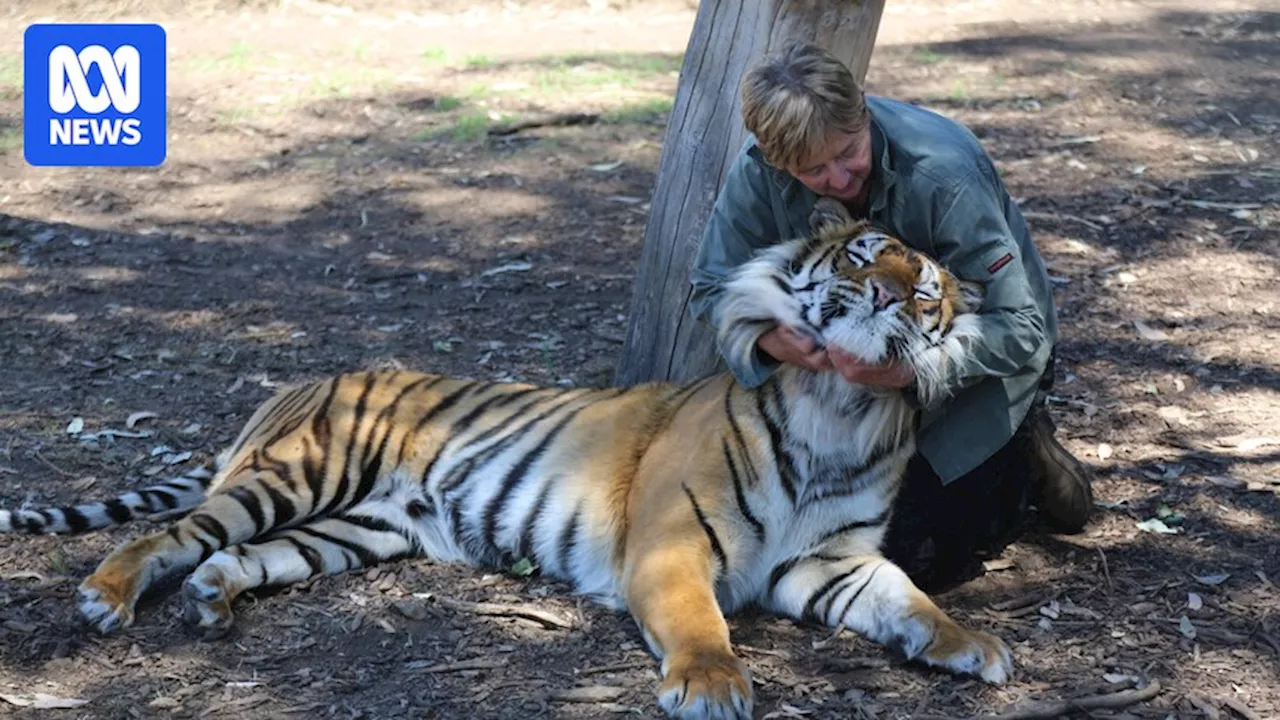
(883,295)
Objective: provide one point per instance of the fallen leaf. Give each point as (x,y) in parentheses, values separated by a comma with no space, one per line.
(138,417)
(1194,601)
(76,426)
(1214,579)
(1146,332)
(591,694)
(1114,678)
(1155,525)
(1186,628)
(999,564)
(1225,481)
(509,267)
(41,701)
(606,166)
(1105,451)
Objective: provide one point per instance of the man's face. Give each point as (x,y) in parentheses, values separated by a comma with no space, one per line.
(842,170)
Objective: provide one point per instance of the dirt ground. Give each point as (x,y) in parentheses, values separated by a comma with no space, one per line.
(331,201)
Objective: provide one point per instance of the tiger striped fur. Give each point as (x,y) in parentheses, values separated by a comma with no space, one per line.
(679,503)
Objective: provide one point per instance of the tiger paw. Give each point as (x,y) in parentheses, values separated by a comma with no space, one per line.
(970,652)
(828,212)
(104,605)
(206,604)
(706,685)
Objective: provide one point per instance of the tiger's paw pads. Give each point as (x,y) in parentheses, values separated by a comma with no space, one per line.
(971,652)
(103,606)
(206,605)
(710,686)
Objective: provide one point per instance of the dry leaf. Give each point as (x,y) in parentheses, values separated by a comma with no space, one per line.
(76,426)
(1214,579)
(1194,601)
(138,417)
(591,694)
(1186,628)
(1105,451)
(1148,333)
(40,701)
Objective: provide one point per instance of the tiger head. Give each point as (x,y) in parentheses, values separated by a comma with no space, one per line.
(858,289)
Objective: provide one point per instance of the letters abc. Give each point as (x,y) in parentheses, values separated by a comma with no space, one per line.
(94,95)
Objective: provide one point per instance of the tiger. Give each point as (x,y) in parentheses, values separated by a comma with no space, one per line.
(679,503)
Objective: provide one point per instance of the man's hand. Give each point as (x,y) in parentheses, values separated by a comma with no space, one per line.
(853,369)
(788,346)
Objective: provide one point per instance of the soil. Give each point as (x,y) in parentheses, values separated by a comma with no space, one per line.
(328,204)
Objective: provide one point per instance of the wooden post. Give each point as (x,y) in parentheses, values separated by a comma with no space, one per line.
(704,135)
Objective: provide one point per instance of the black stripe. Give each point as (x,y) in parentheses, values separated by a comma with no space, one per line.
(174,532)
(284,470)
(117,511)
(870,576)
(366,556)
(310,555)
(857,525)
(781,457)
(284,404)
(743,507)
(569,537)
(504,441)
(167,499)
(344,476)
(710,531)
(810,608)
(739,439)
(31,522)
(519,472)
(205,548)
(252,505)
(370,523)
(211,526)
(283,509)
(76,520)
(525,548)
(780,571)
(439,407)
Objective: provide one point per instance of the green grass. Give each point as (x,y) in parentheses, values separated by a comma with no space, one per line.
(236,114)
(638,113)
(361,50)
(925,56)
(958,91)
(10,77)
(445,103)
(435,55)
(627,62)
(10,140)
(479,62)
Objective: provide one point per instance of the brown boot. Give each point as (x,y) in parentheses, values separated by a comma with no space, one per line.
(1063,488)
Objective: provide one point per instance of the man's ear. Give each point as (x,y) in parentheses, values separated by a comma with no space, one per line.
(971,296)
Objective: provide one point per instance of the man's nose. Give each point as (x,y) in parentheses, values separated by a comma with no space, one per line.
(840,177)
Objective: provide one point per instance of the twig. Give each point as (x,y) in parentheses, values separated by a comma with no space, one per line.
(825,642)
(1060,217)
(1204,706)
(855,663)
(543,618)
(462,665)
(1106,570)
(53,467)
(617,667)
(559,119)
(1020,602)
(1241,709)
(1042,711)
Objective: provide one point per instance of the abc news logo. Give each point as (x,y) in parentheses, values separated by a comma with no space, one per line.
(94,94)
(69,88)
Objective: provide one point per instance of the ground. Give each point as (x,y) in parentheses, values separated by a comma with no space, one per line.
(331,200)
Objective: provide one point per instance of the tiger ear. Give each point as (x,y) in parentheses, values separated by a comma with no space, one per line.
(971,296)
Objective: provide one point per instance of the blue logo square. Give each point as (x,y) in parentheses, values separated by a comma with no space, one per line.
(94,95)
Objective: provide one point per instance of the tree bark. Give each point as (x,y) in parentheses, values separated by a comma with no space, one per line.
(704,135)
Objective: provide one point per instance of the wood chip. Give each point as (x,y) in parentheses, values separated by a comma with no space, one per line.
(591,694)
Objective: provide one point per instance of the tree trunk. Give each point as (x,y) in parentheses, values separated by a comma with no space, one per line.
(704,135)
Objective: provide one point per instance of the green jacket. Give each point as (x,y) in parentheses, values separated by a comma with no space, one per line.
(933,186)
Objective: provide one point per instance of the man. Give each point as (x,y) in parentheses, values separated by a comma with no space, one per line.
(988,451)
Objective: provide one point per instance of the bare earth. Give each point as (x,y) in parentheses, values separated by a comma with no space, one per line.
(331,202)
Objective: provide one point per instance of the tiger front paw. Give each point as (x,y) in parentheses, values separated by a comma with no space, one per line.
(106,605)
(711,686)
(970,652)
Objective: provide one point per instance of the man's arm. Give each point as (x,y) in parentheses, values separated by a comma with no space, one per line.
(973,240)
(741,224)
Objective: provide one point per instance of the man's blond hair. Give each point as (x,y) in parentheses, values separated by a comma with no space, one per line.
(793,101)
